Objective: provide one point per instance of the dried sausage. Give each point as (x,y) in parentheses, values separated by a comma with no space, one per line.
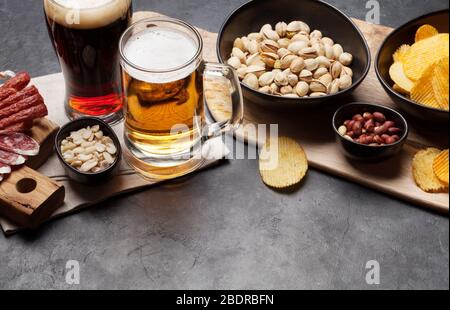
(21,105)
(18,96)
(23,116)
(18,82)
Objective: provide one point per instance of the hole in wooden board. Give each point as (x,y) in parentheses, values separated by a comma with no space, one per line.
(26,185)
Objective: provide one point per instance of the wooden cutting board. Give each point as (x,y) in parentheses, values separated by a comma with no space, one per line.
(313,130)
(26,196)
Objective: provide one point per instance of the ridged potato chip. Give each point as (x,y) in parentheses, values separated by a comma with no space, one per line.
(423,91)
(425,32)
(400,90)
(440,167)
(398,76)
(440,83)
(283,167)
(425,53)
(399,55)
(423,171)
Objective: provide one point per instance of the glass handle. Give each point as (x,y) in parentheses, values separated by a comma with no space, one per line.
(223,99)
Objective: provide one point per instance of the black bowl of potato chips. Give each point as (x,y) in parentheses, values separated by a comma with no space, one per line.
(413,67)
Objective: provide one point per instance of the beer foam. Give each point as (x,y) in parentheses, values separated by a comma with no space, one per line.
(161,49)
(86,14)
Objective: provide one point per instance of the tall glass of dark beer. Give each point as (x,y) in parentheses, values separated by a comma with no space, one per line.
(85,35)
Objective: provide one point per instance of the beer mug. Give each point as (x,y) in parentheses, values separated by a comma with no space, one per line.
(166,115)
(85,35)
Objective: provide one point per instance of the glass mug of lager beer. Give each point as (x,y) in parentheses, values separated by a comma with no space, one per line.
(166,117)
(85,35)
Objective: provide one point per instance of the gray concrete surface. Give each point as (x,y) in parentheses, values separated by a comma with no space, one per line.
(223,229)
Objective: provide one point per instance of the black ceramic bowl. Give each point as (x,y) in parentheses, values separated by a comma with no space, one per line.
(405,35)
(73,173)
(319,15)
(365,152)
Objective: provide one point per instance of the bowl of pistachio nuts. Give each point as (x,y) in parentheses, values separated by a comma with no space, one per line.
(291,54)
(89,150)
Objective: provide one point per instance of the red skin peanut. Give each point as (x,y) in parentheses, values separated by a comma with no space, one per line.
(379,117)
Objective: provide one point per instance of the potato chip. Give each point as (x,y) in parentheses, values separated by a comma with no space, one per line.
(440,83)
(425,32)
(440,167)
(423,171)
(425,53)
(282,163)
(400,90)
(399,55)
(423,91)
(398,76)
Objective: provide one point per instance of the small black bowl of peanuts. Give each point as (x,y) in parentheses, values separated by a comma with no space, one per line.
(89,150)
(370,132)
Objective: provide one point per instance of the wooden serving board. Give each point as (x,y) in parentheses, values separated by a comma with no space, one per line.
(26,196)
(313,130)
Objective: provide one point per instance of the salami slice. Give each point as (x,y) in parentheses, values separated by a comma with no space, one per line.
(11,159)
(19,143)
(19,82)
(4,169)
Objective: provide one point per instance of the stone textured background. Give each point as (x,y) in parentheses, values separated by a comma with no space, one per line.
(223,229)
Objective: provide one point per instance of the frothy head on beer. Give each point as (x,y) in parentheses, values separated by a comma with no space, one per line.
(86,14)
(161,49)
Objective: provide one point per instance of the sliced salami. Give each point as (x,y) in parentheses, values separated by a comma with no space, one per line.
(11,159)
(19,143)
(4,169)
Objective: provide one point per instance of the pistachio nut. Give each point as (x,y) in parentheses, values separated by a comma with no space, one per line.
(327,41)
(333,88)
(308,52)
(287,60)
(317,87)
(281,79)
(316,34)
(297,65)
(293,79)
(281,29)
(321,71)
(269,59)
(286,90)
(297,46)
(311,64)
(302,89)
(336,69)
(337,51)
(346,59)
(234,62)
(324,62)
(269,46)
(251,80)
(238,53)
(306,76)
(326,79)
(284,43)
(266,79)
(317,94)
(345,82)
(253,47)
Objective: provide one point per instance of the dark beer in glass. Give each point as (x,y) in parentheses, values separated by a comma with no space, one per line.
(85,35)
